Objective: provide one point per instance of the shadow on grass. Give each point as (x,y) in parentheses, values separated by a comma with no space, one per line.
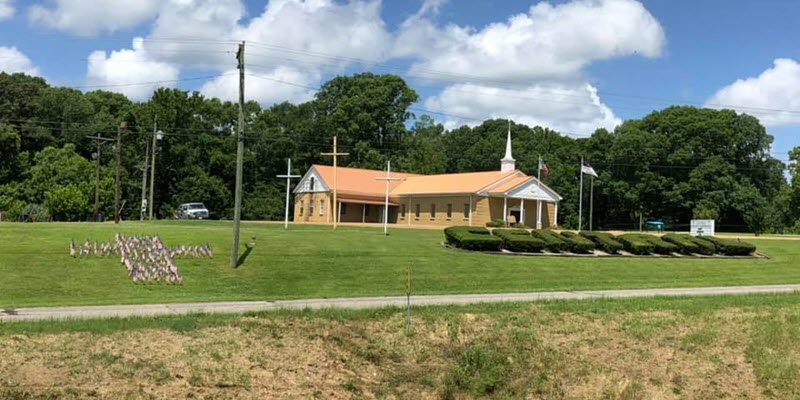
(242,258)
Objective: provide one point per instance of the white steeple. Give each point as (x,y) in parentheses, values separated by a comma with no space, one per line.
(508,163)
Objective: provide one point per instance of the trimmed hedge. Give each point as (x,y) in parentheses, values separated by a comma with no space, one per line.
(603,241)
(519,240)
(634,243)
(684,242)
(731,247)
(472,238)
(705,246)
(577,243)
(553,242)
(661,246)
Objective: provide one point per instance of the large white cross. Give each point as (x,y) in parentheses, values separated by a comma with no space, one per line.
(288,177)
(336,207)
(388,179)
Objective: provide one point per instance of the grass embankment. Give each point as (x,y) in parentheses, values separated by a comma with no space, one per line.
(711,347)
(315,261)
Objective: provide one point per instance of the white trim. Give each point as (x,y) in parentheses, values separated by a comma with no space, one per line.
(533,190)
(322,187)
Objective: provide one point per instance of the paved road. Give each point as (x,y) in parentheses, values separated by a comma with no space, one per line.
(47,313)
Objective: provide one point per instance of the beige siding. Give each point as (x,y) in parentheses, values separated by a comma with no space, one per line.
(425,218)
(306,199)
(484,209)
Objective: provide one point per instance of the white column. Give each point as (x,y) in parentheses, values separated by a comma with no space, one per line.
(363,213)
(408,212)
(505,209)
(338,216)
(522,211)
(538,214)
(470,210)
(555,214)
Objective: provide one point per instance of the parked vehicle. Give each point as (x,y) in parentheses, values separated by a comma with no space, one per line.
(192,211)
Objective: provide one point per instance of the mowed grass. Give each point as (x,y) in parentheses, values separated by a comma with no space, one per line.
(317,262)
(664,348)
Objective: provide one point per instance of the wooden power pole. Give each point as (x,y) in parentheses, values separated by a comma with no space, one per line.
(100,141)
(335,154)
(117,194)
(237,206)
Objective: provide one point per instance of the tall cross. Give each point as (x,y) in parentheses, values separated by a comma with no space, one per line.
(288,177)
(388,179)
(335,154)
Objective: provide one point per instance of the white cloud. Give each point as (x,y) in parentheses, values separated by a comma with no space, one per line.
(570,109)
(773,96)
(199,32)
(91,17)
(290,41)
(546,43)
(6,9)
(13,60)
(287,32)
(130,71)
(265,88)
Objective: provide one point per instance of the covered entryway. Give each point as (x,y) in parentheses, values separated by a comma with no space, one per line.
(365,210)
(531,203)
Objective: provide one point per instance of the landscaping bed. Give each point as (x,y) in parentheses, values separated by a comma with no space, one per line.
(518,241)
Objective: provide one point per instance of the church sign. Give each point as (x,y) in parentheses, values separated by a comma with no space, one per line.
(702,227)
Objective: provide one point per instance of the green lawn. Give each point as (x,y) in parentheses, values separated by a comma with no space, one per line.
(315,261)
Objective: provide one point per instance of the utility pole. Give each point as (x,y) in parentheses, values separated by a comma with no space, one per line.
(157,135)
(117,193)
(99,140)
(580,200)
(336,207)
(237,206)
(288,177)
(591,202)
(143,205)
(388,179)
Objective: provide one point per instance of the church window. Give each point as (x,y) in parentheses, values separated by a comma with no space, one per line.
(322,207)
(433,210)
(311,184)
(449,211)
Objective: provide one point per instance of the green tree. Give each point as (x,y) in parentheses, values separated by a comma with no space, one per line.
(66,203)
(9,153)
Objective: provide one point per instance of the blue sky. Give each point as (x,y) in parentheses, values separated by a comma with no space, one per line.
(601,62)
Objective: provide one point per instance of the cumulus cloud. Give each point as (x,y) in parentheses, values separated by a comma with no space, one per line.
(573,109)
(13,60)
(531,66)
(276,86)
(130,71)
(773,96)
(547,42)
(91,17)
(6,9)
(290,41)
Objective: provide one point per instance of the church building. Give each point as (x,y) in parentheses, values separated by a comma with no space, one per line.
(472,198)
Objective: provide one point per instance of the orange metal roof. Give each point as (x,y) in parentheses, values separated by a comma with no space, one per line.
(510,184)
(357,181)
(470,182)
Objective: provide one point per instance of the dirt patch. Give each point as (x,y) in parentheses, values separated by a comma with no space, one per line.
(527,352)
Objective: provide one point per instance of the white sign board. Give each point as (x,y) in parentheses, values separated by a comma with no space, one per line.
(702,227)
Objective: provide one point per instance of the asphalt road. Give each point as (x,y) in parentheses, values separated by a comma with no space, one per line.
(89,312)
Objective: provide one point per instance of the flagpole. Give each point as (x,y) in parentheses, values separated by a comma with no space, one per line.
(591,202)
(580,201)
(539,201)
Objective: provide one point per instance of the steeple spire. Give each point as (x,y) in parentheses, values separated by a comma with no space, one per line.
(508,162)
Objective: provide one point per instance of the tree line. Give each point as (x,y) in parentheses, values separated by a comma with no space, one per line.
(672,165)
